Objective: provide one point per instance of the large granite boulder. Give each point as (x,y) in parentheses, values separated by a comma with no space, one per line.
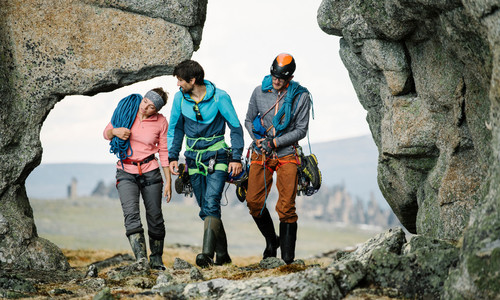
(50,49)
(428,73)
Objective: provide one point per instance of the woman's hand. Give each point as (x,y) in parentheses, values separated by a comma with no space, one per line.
(122,133)
(167,193)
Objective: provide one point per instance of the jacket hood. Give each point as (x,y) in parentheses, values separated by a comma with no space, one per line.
(210,93)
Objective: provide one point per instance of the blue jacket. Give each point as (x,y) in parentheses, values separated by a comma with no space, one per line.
(217,110)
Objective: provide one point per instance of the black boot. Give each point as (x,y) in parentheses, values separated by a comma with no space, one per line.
(221,255)
(288,236)
(205,259)
(266,227)
(138,244)
(156,248)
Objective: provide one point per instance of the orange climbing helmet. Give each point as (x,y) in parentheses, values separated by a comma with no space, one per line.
(283,66)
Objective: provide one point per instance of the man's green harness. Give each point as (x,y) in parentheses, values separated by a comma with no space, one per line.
(201,168)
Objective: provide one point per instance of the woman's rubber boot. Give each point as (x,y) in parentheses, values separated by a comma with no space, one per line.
(221,255)
(138,244)
(266,227)
(205,258)
(288,236)
(155,258)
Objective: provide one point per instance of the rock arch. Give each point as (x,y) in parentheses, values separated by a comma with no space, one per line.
(53,49)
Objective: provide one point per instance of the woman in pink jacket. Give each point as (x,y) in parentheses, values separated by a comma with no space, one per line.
(138,171)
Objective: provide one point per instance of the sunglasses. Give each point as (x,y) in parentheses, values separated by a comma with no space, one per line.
(196,109)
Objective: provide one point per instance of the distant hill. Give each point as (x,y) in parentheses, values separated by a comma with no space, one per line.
(349,162)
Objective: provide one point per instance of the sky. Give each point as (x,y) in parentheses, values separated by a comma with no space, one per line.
(240,41)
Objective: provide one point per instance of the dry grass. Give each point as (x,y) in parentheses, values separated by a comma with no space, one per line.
(77,228)
(240,268)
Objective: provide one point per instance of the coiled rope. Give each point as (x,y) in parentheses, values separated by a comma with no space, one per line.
(124,116)
(282,118)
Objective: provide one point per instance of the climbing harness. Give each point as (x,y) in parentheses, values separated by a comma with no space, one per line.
(141,181)
(182,183)
(202,168)
(139,163)
(309,175)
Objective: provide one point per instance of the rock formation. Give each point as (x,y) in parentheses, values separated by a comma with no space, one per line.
(428,73)
(387,261)
(50,49)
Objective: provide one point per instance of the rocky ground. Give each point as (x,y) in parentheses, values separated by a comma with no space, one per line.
(110,274)
(385,267)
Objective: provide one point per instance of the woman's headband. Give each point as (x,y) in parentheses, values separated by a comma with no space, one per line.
(156,99)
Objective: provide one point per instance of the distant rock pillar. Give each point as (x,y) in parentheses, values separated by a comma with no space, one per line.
(72,189)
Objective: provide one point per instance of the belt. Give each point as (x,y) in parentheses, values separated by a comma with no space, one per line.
(139,163)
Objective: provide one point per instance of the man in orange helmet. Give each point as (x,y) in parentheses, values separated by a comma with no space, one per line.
(277,119)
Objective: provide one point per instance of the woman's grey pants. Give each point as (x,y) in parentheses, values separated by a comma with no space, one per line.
(150,186)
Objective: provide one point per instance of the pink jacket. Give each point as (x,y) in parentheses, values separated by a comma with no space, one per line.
(147,137)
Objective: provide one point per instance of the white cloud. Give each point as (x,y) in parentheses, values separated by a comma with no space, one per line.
(240,40)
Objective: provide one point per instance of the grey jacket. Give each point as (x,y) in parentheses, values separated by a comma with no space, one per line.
(261,101)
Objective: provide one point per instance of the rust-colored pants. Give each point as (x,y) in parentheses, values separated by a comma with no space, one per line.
(286,183)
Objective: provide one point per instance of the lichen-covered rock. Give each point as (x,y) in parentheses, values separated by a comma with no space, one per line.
(186,13)
(135,269)
(348,274)
(430,173)
(48,51)
(94,284)
(419,272)
(195,274)
(434,113)
(15,283)
(271,263)
(390,241)
(313,283)
(104,294)
(180,264)
(416,269)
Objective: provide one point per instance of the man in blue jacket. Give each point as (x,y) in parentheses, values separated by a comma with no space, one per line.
(277,119)
(200,112)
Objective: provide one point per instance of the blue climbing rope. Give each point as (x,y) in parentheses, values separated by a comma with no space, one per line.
(124,116)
